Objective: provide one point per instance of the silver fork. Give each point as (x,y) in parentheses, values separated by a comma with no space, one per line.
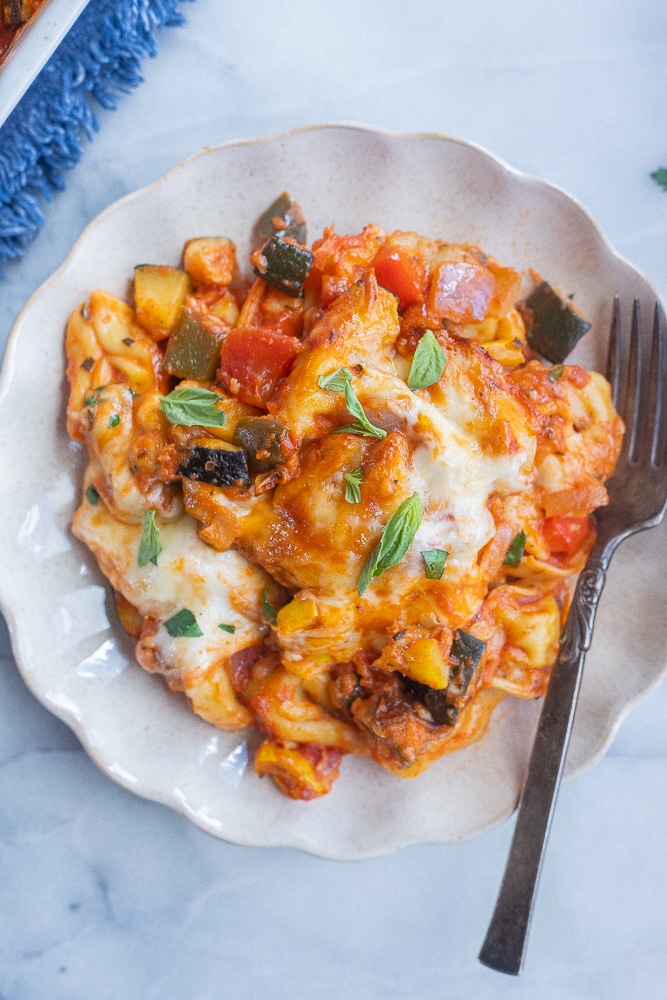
(637,500)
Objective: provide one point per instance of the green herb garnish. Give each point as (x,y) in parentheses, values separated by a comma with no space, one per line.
(193,407)
(555,373)
(267,610)
(515,551)
(660,177)
(90,401)
(340,380)
(397,536)
(428,362)
(336,380)
(435,560)
(114,420)
(150,545)
(228,628)
(353,481)
(183,625)
(92,496)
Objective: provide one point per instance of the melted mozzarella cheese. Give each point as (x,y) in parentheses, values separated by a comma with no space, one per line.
(219,588)
(452,473)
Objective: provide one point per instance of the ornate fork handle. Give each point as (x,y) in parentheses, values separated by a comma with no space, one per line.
(505,942)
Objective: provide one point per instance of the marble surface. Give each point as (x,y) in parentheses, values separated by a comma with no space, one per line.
(105,895)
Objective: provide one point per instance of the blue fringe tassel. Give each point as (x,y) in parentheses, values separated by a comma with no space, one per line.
(100,58)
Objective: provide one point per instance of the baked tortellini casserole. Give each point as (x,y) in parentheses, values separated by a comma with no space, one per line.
(345,497)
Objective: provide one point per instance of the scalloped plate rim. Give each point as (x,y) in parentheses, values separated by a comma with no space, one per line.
(12,614)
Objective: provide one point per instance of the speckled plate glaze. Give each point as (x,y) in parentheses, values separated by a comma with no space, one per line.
(70,649)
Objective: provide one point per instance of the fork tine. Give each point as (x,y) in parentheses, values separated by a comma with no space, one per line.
(632,402)
(657,389)
(614,354)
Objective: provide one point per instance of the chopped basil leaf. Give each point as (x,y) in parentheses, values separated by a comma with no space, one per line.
(340,380)
(90,401)
(515,551)
(267,610)
(660,177)
(555,373)
(336,380)
(192,407)
(92,496)
(114,420)
(228,628)
(183,625)
(428,362)
(397,536)
(353,481)
(355,409)
(150,545)
(435,560)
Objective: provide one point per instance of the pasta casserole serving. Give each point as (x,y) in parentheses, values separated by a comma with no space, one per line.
(344,499)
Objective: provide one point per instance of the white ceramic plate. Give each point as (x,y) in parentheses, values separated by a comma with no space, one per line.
(33,48)
(73,655)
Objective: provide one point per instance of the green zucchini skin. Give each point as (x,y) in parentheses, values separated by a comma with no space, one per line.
(284,265)
(192,351)
(220,465)
(464,658)
(260,438)
(553,328)
(282,218)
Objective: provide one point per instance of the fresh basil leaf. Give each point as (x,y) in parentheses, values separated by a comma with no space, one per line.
(555,373)
(92,496)
(353,481)
(515,551)
(183,625)
(428,362)
(114,420)
(267,610)
(228,628)
(435,560)
(355,409)
(357,428)
(336,380)
(90,401)
(192,407)
(340,380)
(397,536)
(660,177)
(150,545)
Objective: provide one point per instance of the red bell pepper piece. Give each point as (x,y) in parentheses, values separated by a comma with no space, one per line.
(400,273)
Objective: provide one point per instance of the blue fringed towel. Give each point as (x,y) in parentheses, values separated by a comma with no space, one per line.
(100,58)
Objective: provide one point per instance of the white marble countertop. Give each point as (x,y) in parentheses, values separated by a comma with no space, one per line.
(105,895)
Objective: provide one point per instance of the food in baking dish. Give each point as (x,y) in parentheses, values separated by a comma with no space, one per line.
(14,16)
(345,498)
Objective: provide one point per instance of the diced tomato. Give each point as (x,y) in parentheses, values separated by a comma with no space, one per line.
(332,287)
(400,273)
(253,360)
(461,291)
(564,533)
